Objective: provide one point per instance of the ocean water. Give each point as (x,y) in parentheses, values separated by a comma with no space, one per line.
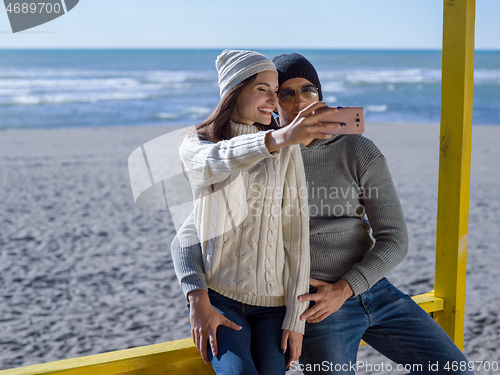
(87,88)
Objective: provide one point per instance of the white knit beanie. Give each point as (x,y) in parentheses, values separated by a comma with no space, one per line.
(235,66)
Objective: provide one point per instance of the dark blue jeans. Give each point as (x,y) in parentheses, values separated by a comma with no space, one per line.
(390,322)
(253,350)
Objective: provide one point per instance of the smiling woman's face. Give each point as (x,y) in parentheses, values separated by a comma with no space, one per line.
(288,112)
(257,100)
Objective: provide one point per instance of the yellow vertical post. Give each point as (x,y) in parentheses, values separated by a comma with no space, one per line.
(454,164)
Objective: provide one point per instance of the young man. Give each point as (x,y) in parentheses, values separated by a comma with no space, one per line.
(350,192)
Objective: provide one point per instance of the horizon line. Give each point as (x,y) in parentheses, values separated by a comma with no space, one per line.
(249,48)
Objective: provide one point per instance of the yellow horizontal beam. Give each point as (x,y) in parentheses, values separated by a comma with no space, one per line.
(429,302)
(174,357)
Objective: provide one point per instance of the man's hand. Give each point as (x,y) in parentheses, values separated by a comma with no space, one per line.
(294,341)
(205,319)
(328,299)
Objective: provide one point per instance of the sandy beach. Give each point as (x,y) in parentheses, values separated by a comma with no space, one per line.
(84,271)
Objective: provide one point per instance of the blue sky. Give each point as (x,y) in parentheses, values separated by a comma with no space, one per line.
(335,24)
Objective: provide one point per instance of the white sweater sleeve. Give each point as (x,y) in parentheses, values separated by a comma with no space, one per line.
(208,163)
(295,217)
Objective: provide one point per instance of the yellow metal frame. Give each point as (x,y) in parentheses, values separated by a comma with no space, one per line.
(446,303)
(175,357)
(454,164)
(179,357)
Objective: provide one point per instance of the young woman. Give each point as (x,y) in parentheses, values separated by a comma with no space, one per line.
(252,219)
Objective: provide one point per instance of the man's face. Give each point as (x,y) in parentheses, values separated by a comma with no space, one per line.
(288,112)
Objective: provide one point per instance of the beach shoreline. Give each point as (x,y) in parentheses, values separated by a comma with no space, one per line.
(84,271)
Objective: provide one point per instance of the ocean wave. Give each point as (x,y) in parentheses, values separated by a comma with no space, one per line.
(167,116)
(68,83)
(179,76)
(15,88)
(481,76)
(66,76)
(384,76)
(66,73)
(332,86)
(80,73)
(376,108)
(69,98)
(14,92)
(330,99)
(395,76)
(198,112)
(487,76)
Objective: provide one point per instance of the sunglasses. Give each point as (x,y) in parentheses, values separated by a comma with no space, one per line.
(308,92)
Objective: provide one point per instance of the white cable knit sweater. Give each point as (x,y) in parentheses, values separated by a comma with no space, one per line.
(252,218)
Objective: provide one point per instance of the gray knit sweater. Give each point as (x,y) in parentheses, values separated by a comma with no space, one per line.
(350,194)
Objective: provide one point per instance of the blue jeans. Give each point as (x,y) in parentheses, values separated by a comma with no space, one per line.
(390,322)
(256,348)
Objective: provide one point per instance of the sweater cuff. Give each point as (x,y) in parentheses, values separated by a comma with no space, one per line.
(193,282)
(262,140)
(292,320)
(357,281)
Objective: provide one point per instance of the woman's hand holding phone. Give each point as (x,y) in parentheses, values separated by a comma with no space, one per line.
(352,120)
(311,123)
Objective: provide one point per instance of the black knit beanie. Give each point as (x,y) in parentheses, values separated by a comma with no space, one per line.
(293,65)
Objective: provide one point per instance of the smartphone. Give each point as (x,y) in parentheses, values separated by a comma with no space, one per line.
(352,117)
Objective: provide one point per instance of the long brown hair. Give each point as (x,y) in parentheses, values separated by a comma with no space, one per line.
(216,127)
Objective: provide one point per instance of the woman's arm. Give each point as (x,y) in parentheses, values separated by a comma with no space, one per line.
(208,163)
(188,264)
(204,320)
(187,257)
(295,218)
